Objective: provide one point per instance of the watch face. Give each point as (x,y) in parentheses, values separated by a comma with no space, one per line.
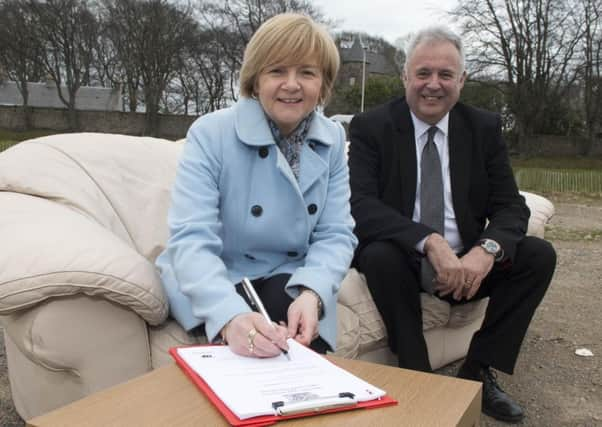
(490,246)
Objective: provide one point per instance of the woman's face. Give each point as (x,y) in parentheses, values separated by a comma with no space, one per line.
(288,93)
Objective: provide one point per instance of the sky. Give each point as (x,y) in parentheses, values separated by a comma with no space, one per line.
(389,19)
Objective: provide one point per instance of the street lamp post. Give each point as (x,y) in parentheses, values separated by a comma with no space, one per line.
(363,73)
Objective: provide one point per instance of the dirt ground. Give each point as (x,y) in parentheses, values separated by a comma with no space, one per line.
(556,386)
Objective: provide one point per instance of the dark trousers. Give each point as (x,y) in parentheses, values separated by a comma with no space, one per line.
(276,302)
(514,293)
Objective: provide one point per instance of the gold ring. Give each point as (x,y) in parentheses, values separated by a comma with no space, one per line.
(468,285)
(250,338)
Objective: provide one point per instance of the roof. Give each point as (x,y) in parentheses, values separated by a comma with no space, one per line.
(376,63)
(89,98)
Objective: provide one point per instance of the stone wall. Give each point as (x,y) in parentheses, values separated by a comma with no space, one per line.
(170,126)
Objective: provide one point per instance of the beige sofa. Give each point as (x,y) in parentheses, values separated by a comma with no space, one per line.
(82,220)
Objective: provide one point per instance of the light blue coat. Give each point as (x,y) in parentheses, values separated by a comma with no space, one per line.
(237,210)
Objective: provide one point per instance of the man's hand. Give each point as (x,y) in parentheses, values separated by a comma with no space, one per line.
(477,264)
(303,318)
(450,273)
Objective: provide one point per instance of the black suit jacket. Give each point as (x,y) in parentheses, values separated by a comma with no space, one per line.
(383,176)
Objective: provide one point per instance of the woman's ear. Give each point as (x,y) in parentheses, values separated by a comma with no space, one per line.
(255,88)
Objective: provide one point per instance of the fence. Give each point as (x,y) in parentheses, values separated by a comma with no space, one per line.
(559,180)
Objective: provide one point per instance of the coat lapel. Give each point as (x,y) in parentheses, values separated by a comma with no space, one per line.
(311,169)
(460,159)
(253,129)
(285,169)
(403,136)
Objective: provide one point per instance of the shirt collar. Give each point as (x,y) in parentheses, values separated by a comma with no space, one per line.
(421,127)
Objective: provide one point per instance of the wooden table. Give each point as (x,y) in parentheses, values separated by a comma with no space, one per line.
(166,397)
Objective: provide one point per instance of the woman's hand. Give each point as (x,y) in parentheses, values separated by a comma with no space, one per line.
(303,318)
(249,334)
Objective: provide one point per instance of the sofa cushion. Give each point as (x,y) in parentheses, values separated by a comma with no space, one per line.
(465,314)
(50,251)
(354,293)
(348,340)
(170,334)
(122,182)
(435,312)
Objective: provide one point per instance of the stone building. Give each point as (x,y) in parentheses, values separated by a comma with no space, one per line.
(352,59)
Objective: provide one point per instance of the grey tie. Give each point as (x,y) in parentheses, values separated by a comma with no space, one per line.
(431,201)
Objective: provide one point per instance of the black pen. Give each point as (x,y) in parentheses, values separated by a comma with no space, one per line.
(250,291)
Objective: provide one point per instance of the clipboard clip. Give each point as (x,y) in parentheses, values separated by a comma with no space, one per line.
(315,405)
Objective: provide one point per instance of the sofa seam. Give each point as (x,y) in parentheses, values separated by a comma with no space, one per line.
(66,294)
(154,297)
(33,350)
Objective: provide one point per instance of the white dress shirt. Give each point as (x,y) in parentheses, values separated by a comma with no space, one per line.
(451,233)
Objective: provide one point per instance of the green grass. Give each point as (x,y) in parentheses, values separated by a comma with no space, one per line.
(9,138)
(17,136)
(560,174)
(559,180)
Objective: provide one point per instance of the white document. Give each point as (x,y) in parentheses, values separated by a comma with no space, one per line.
(250,386)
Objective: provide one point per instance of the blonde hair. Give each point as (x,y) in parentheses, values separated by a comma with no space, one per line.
(289,39)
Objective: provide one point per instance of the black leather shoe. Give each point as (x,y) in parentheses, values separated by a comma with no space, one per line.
(496,403)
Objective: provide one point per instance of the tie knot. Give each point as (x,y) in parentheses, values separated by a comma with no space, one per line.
(431,134)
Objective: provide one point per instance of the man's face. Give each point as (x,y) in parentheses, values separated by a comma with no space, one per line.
(433,80)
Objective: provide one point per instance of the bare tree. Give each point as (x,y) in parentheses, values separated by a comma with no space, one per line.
(149,37)
(233,22)
(19,50)
(591,71)
(67,29)
(214,71)
(121,32)
(529,45)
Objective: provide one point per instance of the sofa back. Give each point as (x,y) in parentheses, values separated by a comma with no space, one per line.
(121,182)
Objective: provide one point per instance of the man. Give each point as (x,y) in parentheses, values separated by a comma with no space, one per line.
(446,219)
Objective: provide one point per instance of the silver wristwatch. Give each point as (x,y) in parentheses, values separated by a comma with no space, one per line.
(492,247)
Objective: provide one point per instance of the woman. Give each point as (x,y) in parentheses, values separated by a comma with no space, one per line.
(262,192)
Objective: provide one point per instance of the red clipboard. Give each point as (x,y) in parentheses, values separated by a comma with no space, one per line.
(265,420)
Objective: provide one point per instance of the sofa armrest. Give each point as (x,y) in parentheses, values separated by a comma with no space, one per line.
(542,211)
(49,250)
(63,349)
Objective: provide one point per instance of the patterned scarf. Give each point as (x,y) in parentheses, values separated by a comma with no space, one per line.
(291,145)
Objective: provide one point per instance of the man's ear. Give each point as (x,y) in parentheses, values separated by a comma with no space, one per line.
(404,79)
(463,79)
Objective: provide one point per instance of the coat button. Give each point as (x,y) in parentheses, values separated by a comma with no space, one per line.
(263,152)
(256,210)
(312,209)
(292,254)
